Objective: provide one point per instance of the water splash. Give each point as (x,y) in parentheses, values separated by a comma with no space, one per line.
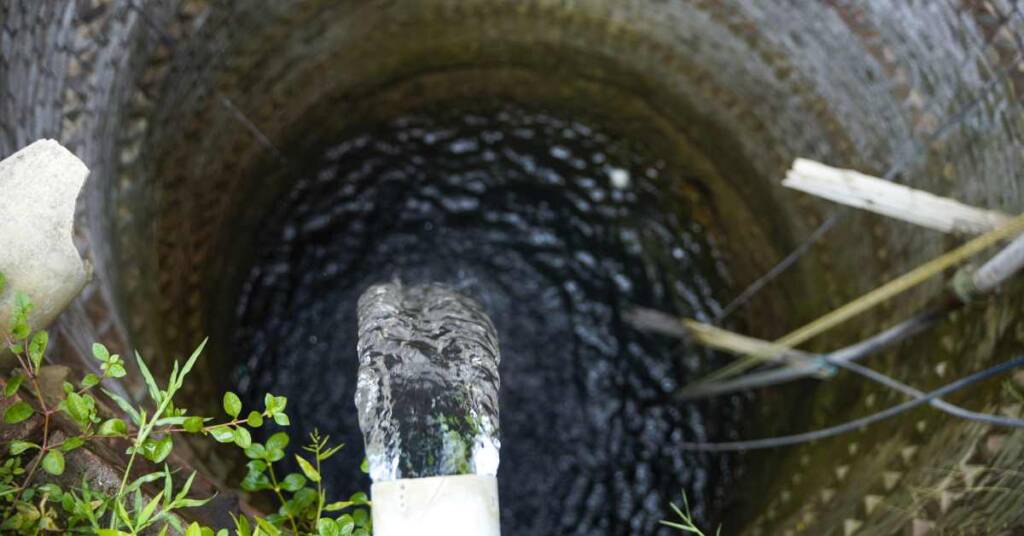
(428,383)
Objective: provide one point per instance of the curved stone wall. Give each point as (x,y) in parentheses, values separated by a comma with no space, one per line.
(180,107)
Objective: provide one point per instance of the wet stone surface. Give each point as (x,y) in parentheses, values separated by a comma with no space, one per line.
(555,227)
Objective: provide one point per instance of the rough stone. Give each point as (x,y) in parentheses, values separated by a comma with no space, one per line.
(39,186)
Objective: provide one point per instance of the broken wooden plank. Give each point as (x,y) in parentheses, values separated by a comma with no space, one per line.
(880,196)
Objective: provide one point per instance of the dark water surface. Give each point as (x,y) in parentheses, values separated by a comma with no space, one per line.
(555,228)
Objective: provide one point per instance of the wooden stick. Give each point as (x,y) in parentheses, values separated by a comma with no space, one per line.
(721,339)
(880,196)
(812,365)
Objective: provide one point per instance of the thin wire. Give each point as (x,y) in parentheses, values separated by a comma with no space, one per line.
(906,329)
(782,266)
(850,426)
(838,215)
(937,403)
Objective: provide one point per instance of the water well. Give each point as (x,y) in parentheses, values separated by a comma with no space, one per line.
(255,165)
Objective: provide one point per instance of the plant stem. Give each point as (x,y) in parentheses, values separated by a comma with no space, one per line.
(139,440)
(25,363)
(319,484)
(277,490)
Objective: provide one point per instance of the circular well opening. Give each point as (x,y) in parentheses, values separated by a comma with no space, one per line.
(560,163)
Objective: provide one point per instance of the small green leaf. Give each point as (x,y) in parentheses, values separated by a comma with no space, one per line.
(308,469)
(327,527)
(194,530)
(100,352)
(255,482)
(13,385)
(17,412)
(112,427)
(256,451)
(71,444)
(142,517)
(191,362)
(330,452)
(347,524)
(78,407)
(17,447)
(274,404)
(359,498)
(151,386)
(277,441)
(53,462)
(125,407)
(360,516)
(116,370)
(335,506)
(176,420)
(305,497)
(193,424)
(268,403)
(19,316)
(142,480)
(90,380)
(365,466)
(265,526)
(242,437)
(232,404)
(157,450)
(241,525)
(51,490)
(293,482)
(37,348)
(281,419)
(222,434)
(255,419)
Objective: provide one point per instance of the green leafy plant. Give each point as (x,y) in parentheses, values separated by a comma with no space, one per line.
(34,504)
(685,522)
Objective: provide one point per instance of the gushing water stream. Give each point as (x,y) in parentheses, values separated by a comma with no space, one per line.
(428,383)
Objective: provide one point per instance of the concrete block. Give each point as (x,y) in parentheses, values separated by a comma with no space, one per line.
(39,186)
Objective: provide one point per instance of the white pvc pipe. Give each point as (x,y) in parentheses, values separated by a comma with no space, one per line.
(1000,267)
(461,505)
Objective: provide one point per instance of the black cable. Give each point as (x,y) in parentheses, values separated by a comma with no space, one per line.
(781,441)
(755,380)
(937,403)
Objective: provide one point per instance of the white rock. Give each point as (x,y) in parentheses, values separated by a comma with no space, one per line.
(620,178)
(39,186)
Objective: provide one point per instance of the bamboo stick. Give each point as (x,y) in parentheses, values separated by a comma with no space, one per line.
(885,292)
(884,197)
